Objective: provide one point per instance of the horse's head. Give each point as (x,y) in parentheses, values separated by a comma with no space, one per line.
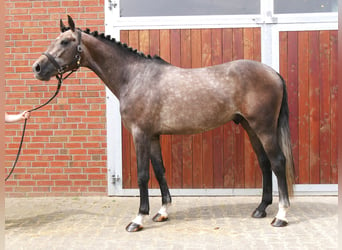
(64,53)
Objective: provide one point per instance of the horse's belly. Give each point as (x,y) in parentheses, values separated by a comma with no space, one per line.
(186,123)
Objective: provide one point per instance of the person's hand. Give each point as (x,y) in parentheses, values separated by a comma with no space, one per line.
(25,115)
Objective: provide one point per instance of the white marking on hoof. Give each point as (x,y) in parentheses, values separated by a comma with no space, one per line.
(163,210)
(139,219)
(281,215)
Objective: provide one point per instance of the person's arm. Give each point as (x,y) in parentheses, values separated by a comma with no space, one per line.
(15,118)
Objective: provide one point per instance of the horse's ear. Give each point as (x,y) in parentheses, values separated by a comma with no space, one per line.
(71,23)
(62,26)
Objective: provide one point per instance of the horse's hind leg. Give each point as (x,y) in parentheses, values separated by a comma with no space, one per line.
(265,165)
(277,160)
(159,171)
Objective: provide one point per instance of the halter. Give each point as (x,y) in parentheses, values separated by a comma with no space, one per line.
(77,60)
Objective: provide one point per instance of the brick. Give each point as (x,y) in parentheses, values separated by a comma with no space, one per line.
(69,3)
(94,22)
(60,164)
(96,151)
(91,145)
(72,145)
(72,120)
(97,138)
(51,3)
(44,157)
(81,132)
(97,189)
(45,183)
(76,10)
(36,13)
(18,50)
(96,100)
(22,190)
(82,183)
(30,151)
(63,183)
(22,18)
(96,9)
(21,176)
(23,4)
(49,151)
(59,177)
(40,189)
(89,3)
(41,164)
(54,170)
(92,170)
(78,176)
(78,189)
(26,183)
(40,177)
(78,164)
(78,151)
(73,170)
(54,145)
(41,139)
(60,189)
(63,157)
(57,10)
(78,139)
(81,157)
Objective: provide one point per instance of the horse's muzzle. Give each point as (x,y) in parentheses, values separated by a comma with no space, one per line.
(41,70)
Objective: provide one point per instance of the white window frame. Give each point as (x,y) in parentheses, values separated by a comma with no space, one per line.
(270,25)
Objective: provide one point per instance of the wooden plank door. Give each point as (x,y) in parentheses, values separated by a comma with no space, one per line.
(308,62)
(221,158)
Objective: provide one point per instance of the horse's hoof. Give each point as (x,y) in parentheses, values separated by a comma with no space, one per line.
(279,223)
(133,227)
(159,218)
(258,214)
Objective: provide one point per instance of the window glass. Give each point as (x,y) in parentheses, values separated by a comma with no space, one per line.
(304,6)
(135,8)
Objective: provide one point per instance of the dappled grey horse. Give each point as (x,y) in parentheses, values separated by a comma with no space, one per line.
(158,98)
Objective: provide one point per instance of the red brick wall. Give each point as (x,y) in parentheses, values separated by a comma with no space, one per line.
(64,151)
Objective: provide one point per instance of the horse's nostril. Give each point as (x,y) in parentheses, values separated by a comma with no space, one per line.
(37,68)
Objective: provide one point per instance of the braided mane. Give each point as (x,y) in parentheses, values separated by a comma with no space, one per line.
(113,41)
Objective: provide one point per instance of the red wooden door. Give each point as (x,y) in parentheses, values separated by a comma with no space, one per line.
(308,62)
(221,158)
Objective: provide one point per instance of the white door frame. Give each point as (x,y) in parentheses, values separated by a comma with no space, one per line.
(270,25)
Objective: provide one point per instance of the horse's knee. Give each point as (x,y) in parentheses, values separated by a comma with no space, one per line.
(143,181)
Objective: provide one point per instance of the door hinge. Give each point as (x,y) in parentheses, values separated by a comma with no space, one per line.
(112,4)
(267,18)
(115,178)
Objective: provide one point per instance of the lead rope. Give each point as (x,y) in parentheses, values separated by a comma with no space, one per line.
(60,81)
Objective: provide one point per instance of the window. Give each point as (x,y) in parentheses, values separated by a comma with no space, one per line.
(138,8)
(304,6)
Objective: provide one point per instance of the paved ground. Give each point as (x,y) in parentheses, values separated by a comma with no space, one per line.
(195,223)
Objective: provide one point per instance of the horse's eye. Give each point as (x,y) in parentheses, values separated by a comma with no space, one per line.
(64,42)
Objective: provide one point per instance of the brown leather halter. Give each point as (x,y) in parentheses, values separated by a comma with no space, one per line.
(77,60)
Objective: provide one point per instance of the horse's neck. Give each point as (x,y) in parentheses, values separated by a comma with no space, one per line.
(106,61)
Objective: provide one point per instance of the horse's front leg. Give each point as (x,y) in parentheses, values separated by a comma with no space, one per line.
(159,171)
(142,144)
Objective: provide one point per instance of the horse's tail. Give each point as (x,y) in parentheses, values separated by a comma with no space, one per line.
(284,139)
